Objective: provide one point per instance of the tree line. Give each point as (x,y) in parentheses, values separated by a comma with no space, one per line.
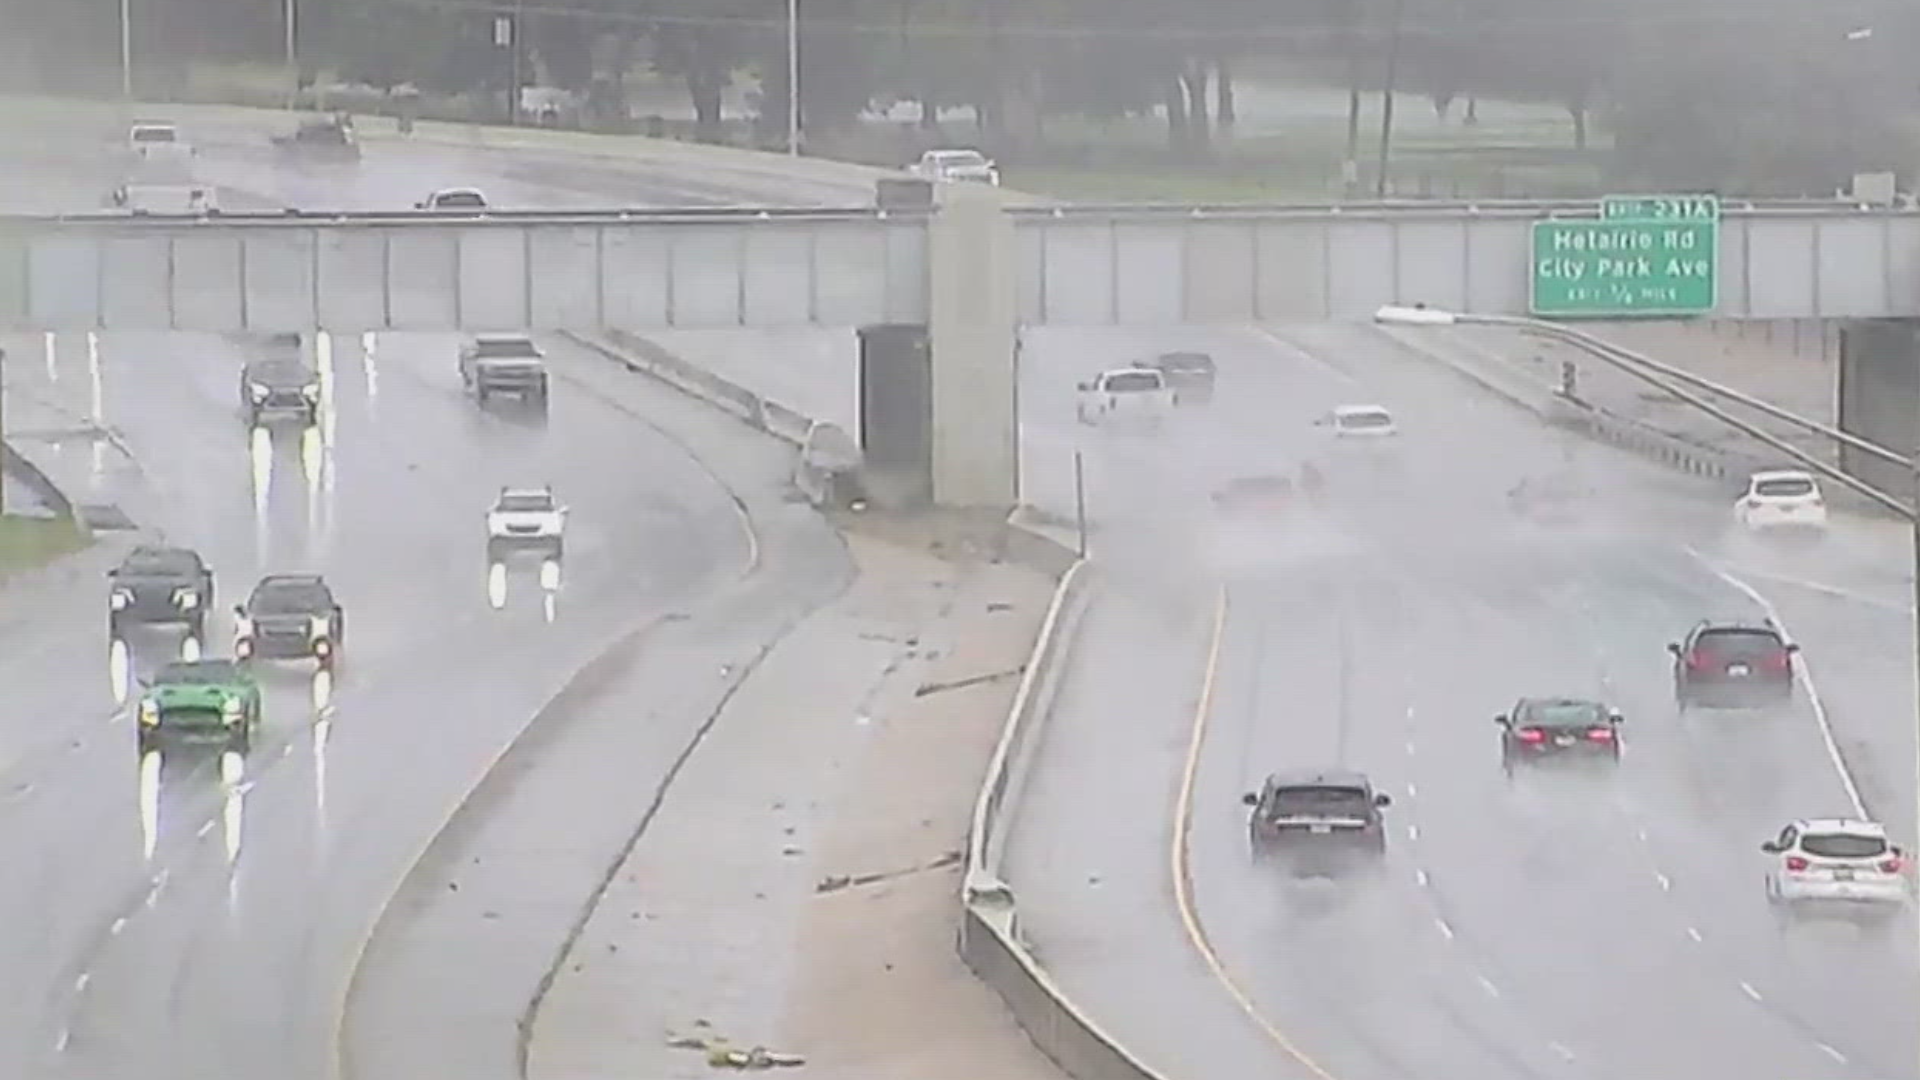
(1699,93)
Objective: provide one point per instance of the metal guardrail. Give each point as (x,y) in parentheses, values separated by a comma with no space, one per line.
(1522,209)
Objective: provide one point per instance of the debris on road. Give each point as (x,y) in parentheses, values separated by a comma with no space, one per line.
(836,882)
(721,1054)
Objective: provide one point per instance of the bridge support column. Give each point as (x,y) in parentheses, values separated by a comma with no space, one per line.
(971,279)
(1878,395)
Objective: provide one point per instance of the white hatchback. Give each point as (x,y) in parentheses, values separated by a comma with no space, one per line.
(1837,861)
(1782,499)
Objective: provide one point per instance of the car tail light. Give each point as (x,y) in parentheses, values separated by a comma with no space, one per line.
(1532,735)
(1776,661)
(1796,864)
(1892,865)
(1753,504)
(1700,659)
(1600,734)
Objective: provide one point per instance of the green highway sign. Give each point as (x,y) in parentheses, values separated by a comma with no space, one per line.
(1615,267)
(1660,208)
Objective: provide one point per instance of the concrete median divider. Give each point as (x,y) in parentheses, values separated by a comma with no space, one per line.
(989,936)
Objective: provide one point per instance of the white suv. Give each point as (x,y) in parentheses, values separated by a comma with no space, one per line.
(1836,860)
(1782,498)
(526,519)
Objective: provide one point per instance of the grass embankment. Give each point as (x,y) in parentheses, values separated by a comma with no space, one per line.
(27,543)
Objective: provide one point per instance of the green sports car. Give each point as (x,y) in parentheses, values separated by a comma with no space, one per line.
(200,701)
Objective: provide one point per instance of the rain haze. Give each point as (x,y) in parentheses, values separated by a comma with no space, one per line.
(1355,539)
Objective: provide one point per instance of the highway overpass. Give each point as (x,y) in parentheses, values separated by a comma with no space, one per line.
(781,266)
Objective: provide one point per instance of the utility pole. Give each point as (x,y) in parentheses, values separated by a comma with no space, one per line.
(793,77)
(1386,98)
(126,50)
(293,59)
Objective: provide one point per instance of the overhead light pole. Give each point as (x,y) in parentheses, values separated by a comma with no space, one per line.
(126,50)
(793,78)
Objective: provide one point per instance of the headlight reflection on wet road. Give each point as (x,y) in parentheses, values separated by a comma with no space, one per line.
(50,346)
(149,802)
(96,405)
(322,734)
(233,779)
(370,365)
(497,585)
(120,670)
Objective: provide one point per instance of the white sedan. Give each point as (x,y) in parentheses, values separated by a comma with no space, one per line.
(1782,499)
(1360,422)
(1838,861)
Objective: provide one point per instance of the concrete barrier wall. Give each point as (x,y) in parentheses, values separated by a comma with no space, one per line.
(989,936)
(14,464)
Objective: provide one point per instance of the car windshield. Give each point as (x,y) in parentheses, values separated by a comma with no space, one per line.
(494,348)
(280,373)
(199,673)
(1787,488)
(159,563)
(1563,714)
(1370,419)
(1134,382)
(1843,845)
(951,158)
(458,198)
(289,598)
(517,503)
(154,135)
(1320,799)
(1739,642)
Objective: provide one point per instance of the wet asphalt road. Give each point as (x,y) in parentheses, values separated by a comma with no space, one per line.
(209,909)
(1600,925)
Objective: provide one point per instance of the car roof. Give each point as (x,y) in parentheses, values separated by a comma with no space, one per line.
(152,550)
(1354,410)
(1782,474)
(292,579)
(1857,826)
(1549,702)
(458,191)
(545,490)
(1318,778)
(1765,626)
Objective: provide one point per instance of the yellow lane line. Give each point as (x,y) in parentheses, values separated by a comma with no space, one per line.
(1183,878)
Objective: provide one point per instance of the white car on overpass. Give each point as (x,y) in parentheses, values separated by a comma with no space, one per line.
(960,166)
(1782,499)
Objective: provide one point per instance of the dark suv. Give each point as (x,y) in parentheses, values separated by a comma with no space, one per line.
(279,386)
(514,366)
(1732,665)
(1318,819)
(159,585)
(290,617)
(1563,729)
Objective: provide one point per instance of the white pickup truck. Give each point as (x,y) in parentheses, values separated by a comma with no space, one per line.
(1130,397)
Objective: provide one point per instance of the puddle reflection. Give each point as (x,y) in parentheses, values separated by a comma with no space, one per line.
(52,350)
(120,670)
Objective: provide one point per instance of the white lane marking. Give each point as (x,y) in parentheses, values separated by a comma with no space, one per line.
(1833,591)
(1409,746)
(1561,1049)
(1694,933)
(1806,680)
(1487,985)
(1421,877)
(1445,930)
(66,1037)
(1748,989)
(1642,834)
(1413,832)
(1666,883)
(119,924)
(80,984)
(1412,792)
(1832,1053)
(1297,352)
(205,828)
